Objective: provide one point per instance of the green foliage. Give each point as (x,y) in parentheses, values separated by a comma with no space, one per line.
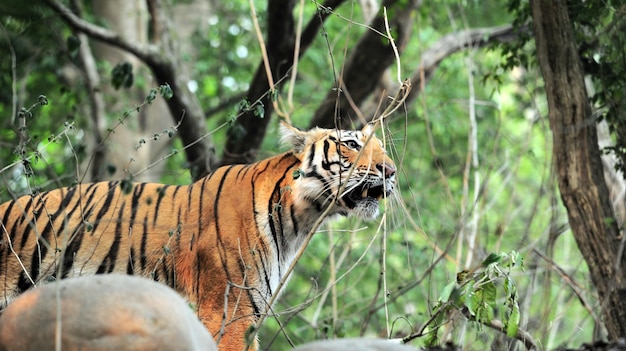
(475,294)
(122,75)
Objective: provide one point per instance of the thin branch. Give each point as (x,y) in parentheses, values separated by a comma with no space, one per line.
(442,49)
(312,29)
(100,33)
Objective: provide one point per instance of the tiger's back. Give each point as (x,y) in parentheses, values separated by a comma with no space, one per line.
(92,229)
(223,242)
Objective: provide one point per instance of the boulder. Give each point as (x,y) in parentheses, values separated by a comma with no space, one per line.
(102,312)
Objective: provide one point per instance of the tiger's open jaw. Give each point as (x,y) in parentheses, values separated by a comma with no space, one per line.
(363,200)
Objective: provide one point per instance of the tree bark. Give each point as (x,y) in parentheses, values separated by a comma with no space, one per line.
(578,162)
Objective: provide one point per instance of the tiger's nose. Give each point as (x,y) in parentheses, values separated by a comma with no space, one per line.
(387,169)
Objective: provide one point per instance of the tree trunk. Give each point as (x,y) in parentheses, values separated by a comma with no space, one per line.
(578,162)
(130,20)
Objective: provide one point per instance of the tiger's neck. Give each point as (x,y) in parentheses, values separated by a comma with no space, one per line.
(258,219)
(284,217)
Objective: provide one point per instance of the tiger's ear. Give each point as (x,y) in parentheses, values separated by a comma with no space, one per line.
(367,129)
(292,137)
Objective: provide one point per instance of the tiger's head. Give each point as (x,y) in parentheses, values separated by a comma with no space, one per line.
(350,167)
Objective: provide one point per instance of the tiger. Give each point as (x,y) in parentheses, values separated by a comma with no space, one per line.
(224,242)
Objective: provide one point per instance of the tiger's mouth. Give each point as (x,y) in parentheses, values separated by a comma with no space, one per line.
(366,193)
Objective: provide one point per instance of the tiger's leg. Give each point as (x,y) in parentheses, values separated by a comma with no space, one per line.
(230,334)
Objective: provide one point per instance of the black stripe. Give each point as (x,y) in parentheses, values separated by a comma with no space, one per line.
(23,283)
(113,189)
(26,209)
(311,154)
(90,204)
(189,193)
(108,263)
(257,310)
(160,198)
(142,249)
(275,199)
(326,148)
(134,204)
(131,263)
(201,200)
(260,171)
(263,250)
(72,249)
(178,222)
(5,236)
(78,233)
(242,172)
(292,211)
(77,205)
(178,187)
(40,251)
(264,260)
(170,273)
(222,250)
(326,164)
(319,204)
(33,221)
(5,218)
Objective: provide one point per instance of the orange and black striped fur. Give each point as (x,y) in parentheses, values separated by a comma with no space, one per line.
(236,230)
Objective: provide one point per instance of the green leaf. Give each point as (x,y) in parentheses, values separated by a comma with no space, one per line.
(110,168)
(73,46)
(485,314)
(166,91)
(274,94)
(126,185)
(447,292)
(298,173)
(512,324)
(489,293)
(42,100)
(151,96)
(471,301)
(122,75)
(259,110)
(492,258)
(243,105)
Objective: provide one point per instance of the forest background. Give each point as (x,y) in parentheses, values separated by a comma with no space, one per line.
(503,119)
